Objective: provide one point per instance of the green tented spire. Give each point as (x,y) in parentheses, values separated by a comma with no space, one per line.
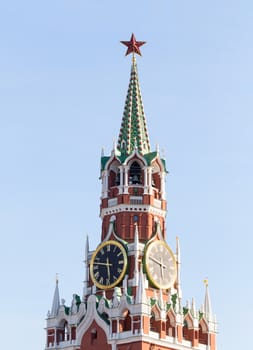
(133,132)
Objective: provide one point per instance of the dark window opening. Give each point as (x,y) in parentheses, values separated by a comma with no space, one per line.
(135,174)
(117,179)
(93,335)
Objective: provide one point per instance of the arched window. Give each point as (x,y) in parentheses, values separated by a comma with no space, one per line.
(117,179)
(93,335)
(135,174)
(155,325)
(203,335)
(170,326)
(63,331)
(152,322)
(66,331)
(188,329)
(127,322)
(123,145)
(185,330)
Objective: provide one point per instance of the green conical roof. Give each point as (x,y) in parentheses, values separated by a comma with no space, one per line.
(133,131)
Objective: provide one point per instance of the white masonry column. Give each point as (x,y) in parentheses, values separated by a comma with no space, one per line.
(162,177)
(150,180)
(106,184)
(126,168)
(145,180)
(103,185)
(121,180)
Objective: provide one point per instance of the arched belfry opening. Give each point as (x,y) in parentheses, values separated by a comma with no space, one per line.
(113,178)
(63,332)
(135,177)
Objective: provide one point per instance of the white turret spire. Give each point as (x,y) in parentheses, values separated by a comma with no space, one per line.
(86,267)
(207,303)
(141,296)
(160,300)
(86,249)
(193,308)
(179,289)
(136,258)
(56,300)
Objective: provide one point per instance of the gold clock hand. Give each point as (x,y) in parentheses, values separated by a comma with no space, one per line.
(160,263)
(155,260)
(108,267)
(100,263)
(162,266)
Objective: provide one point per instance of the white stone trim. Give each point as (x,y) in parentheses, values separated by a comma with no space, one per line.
(112,202)
(131,248)
(153,337)
(91,315)
(130,207)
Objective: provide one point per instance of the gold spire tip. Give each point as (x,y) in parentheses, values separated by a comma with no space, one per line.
(206,282)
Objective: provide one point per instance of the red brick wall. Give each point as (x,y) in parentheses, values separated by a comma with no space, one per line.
(94,339)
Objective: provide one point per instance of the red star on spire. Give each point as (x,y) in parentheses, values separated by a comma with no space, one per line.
(133,46)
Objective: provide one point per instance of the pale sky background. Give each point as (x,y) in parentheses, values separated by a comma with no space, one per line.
(63,84)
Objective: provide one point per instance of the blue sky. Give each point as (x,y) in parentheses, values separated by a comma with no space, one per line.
(63,85)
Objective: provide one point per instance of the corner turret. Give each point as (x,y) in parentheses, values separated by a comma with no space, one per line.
(56,300)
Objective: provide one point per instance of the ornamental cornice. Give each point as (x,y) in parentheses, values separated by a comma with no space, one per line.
(151,338)
(132,208)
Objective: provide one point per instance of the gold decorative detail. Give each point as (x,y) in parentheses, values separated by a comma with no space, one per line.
(205,282)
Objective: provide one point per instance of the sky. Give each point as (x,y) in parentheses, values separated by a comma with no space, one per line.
(63,83)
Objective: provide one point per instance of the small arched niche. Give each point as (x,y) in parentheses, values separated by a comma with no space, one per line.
(203,332)
(187,328)
(170,324)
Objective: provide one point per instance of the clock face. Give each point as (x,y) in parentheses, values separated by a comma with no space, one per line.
(160,265)
(108,264)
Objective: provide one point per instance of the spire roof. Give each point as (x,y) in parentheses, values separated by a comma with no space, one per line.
(141,296)
(133,132)
(207,302)
(56,300)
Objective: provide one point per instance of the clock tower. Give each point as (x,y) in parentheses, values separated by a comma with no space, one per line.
(132,297)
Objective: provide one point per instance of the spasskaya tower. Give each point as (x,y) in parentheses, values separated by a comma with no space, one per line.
(132,296)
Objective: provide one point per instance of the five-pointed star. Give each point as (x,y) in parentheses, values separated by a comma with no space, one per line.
(133,46)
